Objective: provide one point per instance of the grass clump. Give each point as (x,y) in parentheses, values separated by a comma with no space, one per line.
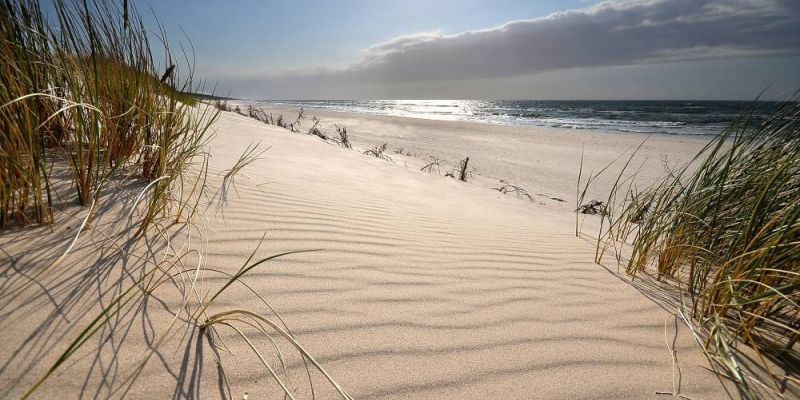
(344,139)
(316,131)
(222,105)
(83,105)
(725,230)
(82,91)
(378,152)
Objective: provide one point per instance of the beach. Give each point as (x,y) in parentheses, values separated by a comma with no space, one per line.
(421,286)
(400,200)
(544,161)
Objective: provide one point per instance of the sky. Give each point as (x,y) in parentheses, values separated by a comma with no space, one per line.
(492,49)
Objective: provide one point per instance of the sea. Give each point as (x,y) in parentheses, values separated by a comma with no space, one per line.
(633,116)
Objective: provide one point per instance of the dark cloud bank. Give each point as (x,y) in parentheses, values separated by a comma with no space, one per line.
(640,32)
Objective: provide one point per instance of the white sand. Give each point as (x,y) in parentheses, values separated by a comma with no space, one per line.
(540,160)
(424,288)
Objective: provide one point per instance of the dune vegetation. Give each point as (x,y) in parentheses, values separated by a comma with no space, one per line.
(724,231)
(89,116)
(87,109)
(81,90)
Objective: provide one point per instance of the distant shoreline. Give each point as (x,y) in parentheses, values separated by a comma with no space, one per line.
(691,118)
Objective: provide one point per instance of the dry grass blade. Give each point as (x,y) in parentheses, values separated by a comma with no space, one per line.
(251,154)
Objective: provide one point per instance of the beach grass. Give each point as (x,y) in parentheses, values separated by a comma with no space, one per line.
(724,230)
(82,90)
(85,105)
(85,109)
(344,139)
(378,152)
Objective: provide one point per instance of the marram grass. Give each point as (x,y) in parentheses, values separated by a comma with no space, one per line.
(84,106)
(80,89)
(725,230)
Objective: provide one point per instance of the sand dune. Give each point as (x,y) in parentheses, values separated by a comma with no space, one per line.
(423,287)
(429,288)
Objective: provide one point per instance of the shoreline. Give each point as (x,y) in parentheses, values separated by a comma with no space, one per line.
(671,117)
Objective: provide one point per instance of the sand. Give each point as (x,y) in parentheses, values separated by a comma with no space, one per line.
(541,160)
(423,288)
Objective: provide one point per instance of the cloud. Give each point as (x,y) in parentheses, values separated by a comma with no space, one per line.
(633,32)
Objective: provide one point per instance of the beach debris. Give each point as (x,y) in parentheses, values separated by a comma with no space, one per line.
(520,192)
(593,207)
